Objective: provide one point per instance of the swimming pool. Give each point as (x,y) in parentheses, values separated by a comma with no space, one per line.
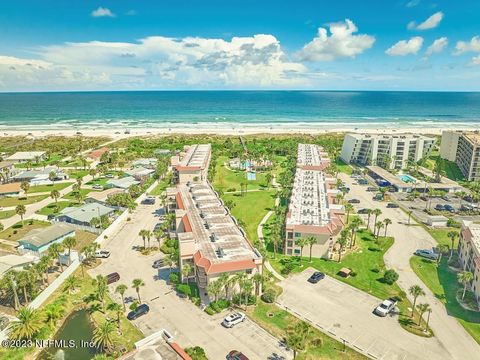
(407,178)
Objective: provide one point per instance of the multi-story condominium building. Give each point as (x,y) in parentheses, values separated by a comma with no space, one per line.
(389,151)
(463,148)
(469,253)
(192,164)
(312,212)
(210,239)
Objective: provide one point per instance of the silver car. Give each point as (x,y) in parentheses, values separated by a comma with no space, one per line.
(233,319)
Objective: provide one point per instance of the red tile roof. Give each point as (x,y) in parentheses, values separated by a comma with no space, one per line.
(226,266)
(96,154)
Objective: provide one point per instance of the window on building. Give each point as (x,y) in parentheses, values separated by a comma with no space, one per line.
(297,251)
(289,243)
(298,234)
(290,235)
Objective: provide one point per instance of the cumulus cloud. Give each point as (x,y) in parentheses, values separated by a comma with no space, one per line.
(102,12)
(437,46)
(475,61)
(431,23)
(342,43)
(406,47)
(468,46)
(162,62)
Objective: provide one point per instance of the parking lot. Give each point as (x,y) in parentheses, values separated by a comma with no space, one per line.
(347,313)
(189,325)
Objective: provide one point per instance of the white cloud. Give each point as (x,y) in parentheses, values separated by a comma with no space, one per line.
(412,3)
(102,12)
(437,46)
(468,46)
(340,44)
(406,47)
(475,61)
(431,23)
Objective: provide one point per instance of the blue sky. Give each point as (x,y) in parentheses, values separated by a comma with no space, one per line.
(133,45)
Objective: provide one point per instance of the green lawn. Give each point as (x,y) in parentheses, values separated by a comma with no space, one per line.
(53,158)
(49,187)
(449,167)
(440,235)
(71,194)
(251,208)
(17,231)
(226,179)
(74,174)
(343,167)
(6,202)
(55,208)
(443,283)
(98,181)
(6,214)
(319,345)
(160,188)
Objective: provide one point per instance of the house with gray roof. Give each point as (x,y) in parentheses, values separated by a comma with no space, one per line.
(122,183)
(15,262)
(83,215)
(37,241)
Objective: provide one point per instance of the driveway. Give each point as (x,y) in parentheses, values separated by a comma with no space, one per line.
(347,313)
(453,337)
(187,323)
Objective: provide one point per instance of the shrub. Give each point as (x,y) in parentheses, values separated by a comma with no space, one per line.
(174,278)
(209,310)
(390,276)
(353,273)
(231,190)
(184,289)
(196,353)
(240,299)
(269,296)
(288,268)
(453,223)
(167,249)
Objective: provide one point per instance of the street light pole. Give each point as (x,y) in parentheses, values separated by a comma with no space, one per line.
(428,319)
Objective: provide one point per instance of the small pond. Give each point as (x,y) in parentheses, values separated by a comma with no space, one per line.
(77,327)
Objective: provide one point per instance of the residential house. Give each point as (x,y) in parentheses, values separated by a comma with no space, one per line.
(101,197)
(15,262)
(37,241)
(83,215)
(148,163)
(11,190)
(122,183)
(140,173)
(40,177)
(24,156)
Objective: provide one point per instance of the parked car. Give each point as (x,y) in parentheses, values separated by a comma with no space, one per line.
(378,197)
(429,254)
(109,176)
(157,264)
(392,205)
(113,277)
(386,307)
(372,189)
(157,227)
(362,211)
(102,254)
(316,277)
(354,201)
(233,319)
(139,311)
(392,189)
(97,187)
(362,182)
(236,355)
(149,200)
(439,207)
(449,208)
(344,189)
(424,198)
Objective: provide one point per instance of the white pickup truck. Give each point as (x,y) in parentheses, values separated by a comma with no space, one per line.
(385,307)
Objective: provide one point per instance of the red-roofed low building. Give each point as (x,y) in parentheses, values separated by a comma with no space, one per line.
(192,164)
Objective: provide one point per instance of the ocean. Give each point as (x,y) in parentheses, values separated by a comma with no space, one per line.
(238,109)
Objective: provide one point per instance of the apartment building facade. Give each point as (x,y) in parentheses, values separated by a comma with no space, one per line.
(312,212)
(389,151)
(469,253)
(463,148)
(192,163)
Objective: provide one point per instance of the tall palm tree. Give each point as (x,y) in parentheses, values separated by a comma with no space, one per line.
(71,283)
(69,242)
(54,312)
(117,309)
(354,226)
(158,236)
(55,194)
(422,309)
(214,288)
(187,270)
(452,235)
(311,240)
(20,210)
(301,243)
(464,278)
(24,279)
(247,290)
(297,336)
(378,225)
(257,280)
(103,336)
(101,289)
(143,234)
(342,242)
(121,289)
(369,213)
(136,284)
(28,325)
(9,281)
(442,249)
(415,291)
(377,213)
(386,223)
(55,250)
(348,209)
(25,185)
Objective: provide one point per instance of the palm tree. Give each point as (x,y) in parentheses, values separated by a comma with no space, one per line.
(247,290)
(101,289)
(442,249)
(10,279)
(55,250)
(28,325)
(369,213)
(301,242)
(415,291)
(297,336)
(117,309)
(377,213)
(422,309)
(348,209)
(409,216)
(452,235)
(121,289)
(354,225)
(69,242)
(144,233)
(136,284)
(342,242)
(52,176)
(21,210)
(24,279)
(55,194)
(71,283)
(187,270)
(378,225)
(213,288)
(103,335)
(257,280)
(311,240)
(464,278)
(158,236)
(53,313)
(25,185)
(386,222)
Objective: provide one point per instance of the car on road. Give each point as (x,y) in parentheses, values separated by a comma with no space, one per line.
(149,200)
(392,205)
(362,211)
(102,254)
(157,264)
(426,253)
(449,208)
(97,187)
(372,189)
(113,277)
(236,355)
(316,277)
(385,308)
(354,201)
(139,311)
(439,207)
(233,319)
(158,226)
